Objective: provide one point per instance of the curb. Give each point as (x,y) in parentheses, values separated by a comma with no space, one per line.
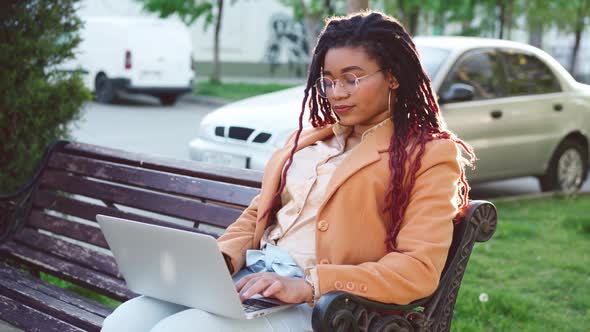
(204,100)
(553,194)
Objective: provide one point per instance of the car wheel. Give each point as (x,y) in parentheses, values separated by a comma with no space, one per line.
(104,90)
(567,169)
(168,100)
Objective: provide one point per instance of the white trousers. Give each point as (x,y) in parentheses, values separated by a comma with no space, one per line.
(146,314)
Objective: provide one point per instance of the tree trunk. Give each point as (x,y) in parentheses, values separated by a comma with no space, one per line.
(439,23)
(582,12)
(216,76)
(466,22)
(353,6)
(536,35)
(508,18)
(328,6)
(500,7)
(312,25)
(574,58)
(413,21)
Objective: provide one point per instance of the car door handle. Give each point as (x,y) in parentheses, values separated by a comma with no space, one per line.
(558,107)
(496,114)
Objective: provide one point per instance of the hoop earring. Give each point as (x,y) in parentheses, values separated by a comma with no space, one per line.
(389,101)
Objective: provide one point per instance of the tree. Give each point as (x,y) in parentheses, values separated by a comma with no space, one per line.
(353,6)
(573,17)
(37,99)
(313,12)
(540,14)
(407,12)
(189,11)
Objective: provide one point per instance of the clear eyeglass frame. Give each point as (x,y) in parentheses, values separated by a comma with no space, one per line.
(348,81)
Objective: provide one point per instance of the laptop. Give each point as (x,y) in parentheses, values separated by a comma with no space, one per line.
(179,266)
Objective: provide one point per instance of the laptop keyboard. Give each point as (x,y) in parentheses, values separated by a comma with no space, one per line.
(251,305)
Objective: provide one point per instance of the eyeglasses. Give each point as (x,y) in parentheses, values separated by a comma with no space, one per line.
(349,82)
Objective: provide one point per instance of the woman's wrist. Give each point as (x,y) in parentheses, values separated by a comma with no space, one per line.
(311,297)
(230,266)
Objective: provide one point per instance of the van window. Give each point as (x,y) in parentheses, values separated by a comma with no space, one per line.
(529,75)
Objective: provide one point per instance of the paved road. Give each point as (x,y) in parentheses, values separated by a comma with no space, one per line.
(513,187)
(141,124)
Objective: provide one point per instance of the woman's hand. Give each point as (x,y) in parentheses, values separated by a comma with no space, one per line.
(270,284)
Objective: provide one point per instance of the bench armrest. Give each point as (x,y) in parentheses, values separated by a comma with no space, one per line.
(341,311)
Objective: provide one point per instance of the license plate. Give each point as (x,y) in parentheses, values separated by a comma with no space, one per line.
(150,75)
(225,159)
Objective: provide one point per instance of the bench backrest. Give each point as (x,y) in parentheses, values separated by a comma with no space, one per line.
(79,181)
(82,180)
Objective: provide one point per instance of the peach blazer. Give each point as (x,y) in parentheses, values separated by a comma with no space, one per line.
(351,229)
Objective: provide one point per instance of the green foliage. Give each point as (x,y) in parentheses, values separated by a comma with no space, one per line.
(569,15)
(481,17)
(37,100)
(319,9)
(188,11)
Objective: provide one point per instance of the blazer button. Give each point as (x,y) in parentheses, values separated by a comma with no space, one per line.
(338,284)
(324,261)
(350,286)
(323,225)
(363,288)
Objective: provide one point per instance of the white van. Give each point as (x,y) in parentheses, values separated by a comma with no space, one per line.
(135,55)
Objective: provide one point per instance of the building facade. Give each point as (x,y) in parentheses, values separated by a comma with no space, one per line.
(259,38)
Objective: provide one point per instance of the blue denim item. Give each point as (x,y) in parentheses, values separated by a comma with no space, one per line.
(272,259)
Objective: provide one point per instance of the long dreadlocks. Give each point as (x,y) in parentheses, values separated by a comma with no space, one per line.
(416,115)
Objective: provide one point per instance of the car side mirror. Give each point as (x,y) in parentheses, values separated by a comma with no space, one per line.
(458,92)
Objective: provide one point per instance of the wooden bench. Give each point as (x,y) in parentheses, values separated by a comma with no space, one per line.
(48,227)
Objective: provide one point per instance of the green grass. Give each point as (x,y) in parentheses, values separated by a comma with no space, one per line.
(535,270)
(80,290)
(235,91)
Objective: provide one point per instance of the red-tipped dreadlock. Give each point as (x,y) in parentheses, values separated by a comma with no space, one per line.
(416,115)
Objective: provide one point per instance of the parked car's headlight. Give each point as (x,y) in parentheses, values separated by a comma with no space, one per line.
(280,139)
(205,130)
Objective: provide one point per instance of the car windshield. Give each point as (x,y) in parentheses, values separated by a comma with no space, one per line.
(432,59)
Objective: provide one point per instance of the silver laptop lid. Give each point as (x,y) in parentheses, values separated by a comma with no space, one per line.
(173,265)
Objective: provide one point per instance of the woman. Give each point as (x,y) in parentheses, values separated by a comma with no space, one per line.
(363,202)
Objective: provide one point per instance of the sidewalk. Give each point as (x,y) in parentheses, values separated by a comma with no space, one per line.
(203,100)
(257,80)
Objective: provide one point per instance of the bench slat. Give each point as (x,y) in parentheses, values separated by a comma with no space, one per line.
(155,180)
(84,277)
(243,177)
(50,305)
(12,273)
(29,319)
(88,211)
(68,251)
(155,202)
(73,230)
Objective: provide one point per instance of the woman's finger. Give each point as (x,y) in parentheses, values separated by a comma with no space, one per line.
(258,286)
(244,280)
(273,289)
(251,281)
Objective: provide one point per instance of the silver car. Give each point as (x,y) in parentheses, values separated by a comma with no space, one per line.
(522,112)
